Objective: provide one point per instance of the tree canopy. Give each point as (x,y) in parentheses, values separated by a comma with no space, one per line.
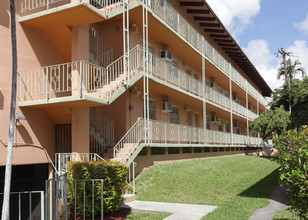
(271,122)
(292,69)
(299,101)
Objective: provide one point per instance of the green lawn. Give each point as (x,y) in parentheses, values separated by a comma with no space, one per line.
(285,215)
(147,215)
(238,185)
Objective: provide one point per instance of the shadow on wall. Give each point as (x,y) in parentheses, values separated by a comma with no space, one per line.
(1,101)
(5,14)
(23,133)
(44,52)
(262,188)
(40,127)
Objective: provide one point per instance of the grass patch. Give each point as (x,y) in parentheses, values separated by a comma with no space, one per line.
(238,185)
(138,215)
(285,214)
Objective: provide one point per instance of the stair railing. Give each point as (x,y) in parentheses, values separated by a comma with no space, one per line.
(63,158)
(133,136)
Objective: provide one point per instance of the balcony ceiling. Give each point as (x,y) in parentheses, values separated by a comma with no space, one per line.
(208,20)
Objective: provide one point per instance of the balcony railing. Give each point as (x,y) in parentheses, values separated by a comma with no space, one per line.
(171,134)
(28,5)
(83,77)
(61,80)
(75,79)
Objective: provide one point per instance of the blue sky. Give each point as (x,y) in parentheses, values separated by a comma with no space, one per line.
(262,26)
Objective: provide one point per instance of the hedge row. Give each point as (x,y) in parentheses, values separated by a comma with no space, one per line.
(114,185)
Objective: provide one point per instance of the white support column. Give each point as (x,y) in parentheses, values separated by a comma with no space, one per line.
(247,121)
(258,112)
(204,92)
(145,64)
(231,108)
(126,40)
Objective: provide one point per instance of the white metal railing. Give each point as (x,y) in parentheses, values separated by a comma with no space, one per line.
(60,80)
(218,137)
(27,5)
(170,133)
(115,70)
(63,158)
(255,141)
(239,108)
(129,142)
(23,212)
(104,3)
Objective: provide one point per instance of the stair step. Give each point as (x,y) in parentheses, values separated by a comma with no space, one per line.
(129,197)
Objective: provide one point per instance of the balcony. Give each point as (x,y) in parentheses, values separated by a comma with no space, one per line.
(84,82)
(181,26)
(43,14)
(166,134)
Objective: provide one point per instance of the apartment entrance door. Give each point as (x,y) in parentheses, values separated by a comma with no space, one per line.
(63,138)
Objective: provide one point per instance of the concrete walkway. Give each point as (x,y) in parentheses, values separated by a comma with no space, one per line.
(180,211)
(277,201)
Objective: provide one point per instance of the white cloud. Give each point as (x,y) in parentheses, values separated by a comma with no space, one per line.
(235,14)
(265,62)
(300,52)
(303,25)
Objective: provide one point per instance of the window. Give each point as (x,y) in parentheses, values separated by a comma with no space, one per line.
(151,109)
(219,125)
(196,120)
(208,122)
(227,126)
(174,115)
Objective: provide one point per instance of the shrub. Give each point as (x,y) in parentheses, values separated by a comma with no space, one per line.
(114,185)
(292,150)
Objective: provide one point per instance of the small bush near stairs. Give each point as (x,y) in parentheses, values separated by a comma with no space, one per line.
(114,185)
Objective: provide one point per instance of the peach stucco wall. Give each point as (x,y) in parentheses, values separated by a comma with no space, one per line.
(37,132)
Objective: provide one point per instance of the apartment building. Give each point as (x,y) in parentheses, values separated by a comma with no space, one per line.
(136,81)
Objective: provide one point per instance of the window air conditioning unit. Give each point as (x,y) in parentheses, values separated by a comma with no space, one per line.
(235,98)
(214,119)
(166,107)
(166,55)
(214,84)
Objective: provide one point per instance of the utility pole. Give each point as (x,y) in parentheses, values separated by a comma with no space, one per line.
(284,54)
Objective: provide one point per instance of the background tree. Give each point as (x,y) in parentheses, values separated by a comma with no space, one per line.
(272,122)
(299,99)
(292,69)
(8,167)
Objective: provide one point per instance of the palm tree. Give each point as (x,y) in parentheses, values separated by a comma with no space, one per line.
(292,69)
(8,167)
(289,69)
